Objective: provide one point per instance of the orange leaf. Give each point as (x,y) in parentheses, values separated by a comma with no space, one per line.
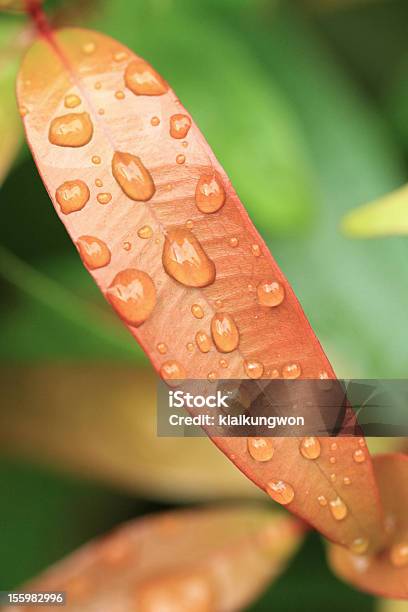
(385,574)
(173,250)
(212,559)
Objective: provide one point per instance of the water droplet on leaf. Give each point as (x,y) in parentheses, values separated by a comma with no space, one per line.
(72,196)
(253,368)
(71,130)
(270,293)
(291,371)
(132,176)
(310,447)
(197,311)
(72,100)
(210,193)
(143,80)
(145,232)
(179,126)
(280,491)
(338,509)
(133,295)
(94,252)
(203,342)
(185,260)
(224,332)
(260,449)
(104,198)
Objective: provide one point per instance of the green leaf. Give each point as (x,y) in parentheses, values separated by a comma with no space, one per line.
(386,216)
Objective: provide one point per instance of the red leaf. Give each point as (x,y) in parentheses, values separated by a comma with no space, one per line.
(213,559)
(385,574)
(183,261)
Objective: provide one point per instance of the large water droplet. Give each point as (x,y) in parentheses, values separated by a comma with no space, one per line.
(133,295)
(185,260)
(270,293)
(179,126)
(210,193)
(280,491)
(172,370)
(203,342)
(224,332)
(291,371)
(338,509)
(94,252)
(132,176)
(310,447)
(260,449)
(72,196)
(143,80)
(399,554)
(72,100)
(71,130)
(253,368)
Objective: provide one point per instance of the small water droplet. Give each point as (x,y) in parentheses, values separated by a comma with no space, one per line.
(72,100)
(347,480)
(89,48)
(223,363)
(280,491)
(179,126)
(94,252)
(260,449)
(189,224)
(190,347)
(310,447)
(119,56)
(180,159)
(72,196)
(184,144)
(104,198)
(172,370)
(98,85)
(162,348)
(333,477)
(362,442)
(71,130)
(210,193)
(332,460)
(211,376)
(359,456)
(98,182)
(291,371)
(132,176)
(119,95)
(155,121)
(359,546)
(185,260)
(256,250)
(96,160)
(23,110)
(338,509)
(133,295)
(101,111)
(333,446)
(203,342)
(322,500)
(143,80)
(219,303)
(145,232)
(234,242)
(224,332)
(399,554)
(127,246)
(253,368)
(197,311)
(270,293)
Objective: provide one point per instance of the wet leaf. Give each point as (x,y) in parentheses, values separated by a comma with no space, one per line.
(386,574)
(386,216)
(212,559)
(147,217)
(111,434)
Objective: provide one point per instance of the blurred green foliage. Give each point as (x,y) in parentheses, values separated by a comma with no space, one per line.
(308,113)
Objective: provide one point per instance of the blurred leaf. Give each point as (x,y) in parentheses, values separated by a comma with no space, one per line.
(386,574)
(384,217)
(88,321)
(391,605)
(108,431)
(396,99)
(356,160)
(244,115)
(212,559)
